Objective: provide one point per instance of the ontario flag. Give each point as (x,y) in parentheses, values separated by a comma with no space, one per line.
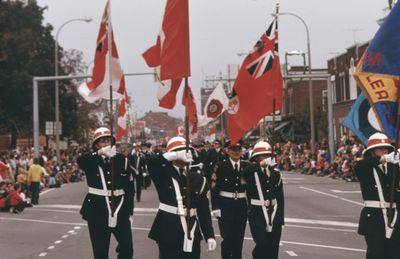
(259,81)
(170,55)
(191,106)
(122,114)
(99,87)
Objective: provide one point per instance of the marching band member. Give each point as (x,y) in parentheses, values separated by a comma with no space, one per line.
(264,189)
(229,202)
(174,236)
(375,172)
(108,206)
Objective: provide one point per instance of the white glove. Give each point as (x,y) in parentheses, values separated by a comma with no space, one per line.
(392,158)
(270,161)
(109,151)
(131,220)
(212,244)
(216,213)
(179,155)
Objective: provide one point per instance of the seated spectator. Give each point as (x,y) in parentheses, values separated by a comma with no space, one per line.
(17,204)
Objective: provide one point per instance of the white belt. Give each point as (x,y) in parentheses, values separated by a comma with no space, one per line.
(174,210)
(378,204)
(102,192)
(263,203)
(234,195)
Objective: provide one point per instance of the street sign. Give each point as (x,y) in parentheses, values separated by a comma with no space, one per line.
(51,128)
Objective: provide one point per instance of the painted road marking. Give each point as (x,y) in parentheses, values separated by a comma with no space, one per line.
(46,191)
(340,191)
(58,242)
(246,238)
(331,195)
(42,254)
(65,236)
(78,207)
(291,253)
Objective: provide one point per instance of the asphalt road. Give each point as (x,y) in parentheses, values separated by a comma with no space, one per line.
(321,222)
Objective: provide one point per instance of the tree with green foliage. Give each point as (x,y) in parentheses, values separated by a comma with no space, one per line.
(27,50)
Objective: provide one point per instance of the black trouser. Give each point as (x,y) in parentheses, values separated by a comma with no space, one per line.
(381,247)
(232,226)
(267,243)
(139,184)
(35,188)
(175,251)
(100,235)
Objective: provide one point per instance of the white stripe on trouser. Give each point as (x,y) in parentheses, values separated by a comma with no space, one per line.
(388,229)
(264,209)
(112,219)
(187,243)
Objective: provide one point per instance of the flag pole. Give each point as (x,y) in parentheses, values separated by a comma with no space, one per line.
(111,116)
(274,100)
(186,89)
(395,167)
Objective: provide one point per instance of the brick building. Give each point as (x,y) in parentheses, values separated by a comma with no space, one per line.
(161,125)
(296,106)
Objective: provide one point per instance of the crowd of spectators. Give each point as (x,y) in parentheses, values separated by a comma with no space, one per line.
(22,175)
(298,157)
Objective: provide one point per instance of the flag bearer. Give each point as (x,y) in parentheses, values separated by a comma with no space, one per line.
(264,189)
(169,229)
(229,202)
(108,206)
(375,173)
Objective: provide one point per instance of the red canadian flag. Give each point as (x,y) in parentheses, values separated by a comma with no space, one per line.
(122,113)
(99,87)
(170,55)
(259,82)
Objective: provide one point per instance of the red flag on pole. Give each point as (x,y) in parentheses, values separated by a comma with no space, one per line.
(122,113)
(192,110)
(170,55)
(259,81)
(100,84)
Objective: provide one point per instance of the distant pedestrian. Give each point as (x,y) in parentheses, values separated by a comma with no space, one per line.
(34,179)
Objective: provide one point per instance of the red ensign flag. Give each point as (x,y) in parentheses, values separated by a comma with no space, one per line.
(259,81)
(170,55)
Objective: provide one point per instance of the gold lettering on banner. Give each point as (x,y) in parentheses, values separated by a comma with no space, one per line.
(377,86)
(382,95)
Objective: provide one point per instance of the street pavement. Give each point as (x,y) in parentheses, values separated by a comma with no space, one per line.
(321,216)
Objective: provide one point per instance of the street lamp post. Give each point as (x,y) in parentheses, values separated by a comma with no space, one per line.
(310,93)
(57,97)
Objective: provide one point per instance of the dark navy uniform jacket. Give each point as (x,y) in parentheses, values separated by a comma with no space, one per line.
(371,219)
(272,188)
(94,206)
(228,180)
(167,227)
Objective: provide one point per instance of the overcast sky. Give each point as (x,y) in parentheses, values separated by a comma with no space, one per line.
(219,30)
